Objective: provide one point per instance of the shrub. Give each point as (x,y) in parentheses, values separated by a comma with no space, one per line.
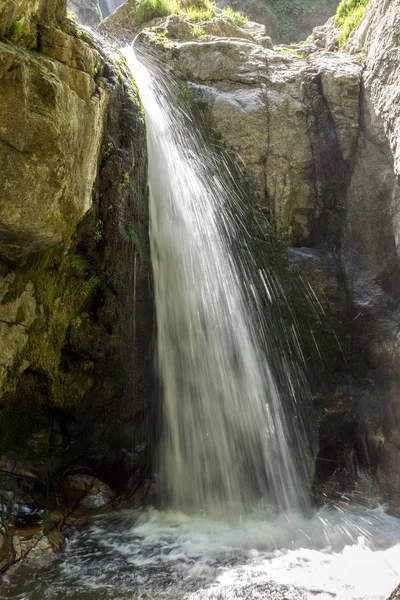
(236,17)
(198,10)
(195,10)
(348,16)
(145,10)
(16,30)
(197,31)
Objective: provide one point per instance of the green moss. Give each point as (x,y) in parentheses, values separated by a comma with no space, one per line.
(139,240)
(186,93)
(124,181)
(108,149)
(16,30)
(348,16)
(98,232)
(79,263)
(18,34)
(20,316)
(63,285)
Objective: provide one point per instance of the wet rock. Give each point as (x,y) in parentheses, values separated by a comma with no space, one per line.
(81,490)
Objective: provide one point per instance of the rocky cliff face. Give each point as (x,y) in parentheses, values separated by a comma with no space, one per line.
(75,283)
(317,130)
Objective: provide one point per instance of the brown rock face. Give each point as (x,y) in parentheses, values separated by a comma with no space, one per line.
(292,119)
(31,12)
(73,250)
(51,131)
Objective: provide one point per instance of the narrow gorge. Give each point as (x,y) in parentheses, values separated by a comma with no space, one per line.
(199,322)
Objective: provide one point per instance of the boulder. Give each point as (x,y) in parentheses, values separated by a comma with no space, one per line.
(52,125)
(81,491)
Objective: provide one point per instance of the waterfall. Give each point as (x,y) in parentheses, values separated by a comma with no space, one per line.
(226,439)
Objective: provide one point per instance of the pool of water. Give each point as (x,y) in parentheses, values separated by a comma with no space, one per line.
(152,555)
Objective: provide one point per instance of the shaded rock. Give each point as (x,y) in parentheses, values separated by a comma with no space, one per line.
(378,37)
(16,316)
(86,12)
(80,490)
(6,551)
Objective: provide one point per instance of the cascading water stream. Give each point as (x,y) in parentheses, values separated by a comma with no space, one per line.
(229,439)
(225,441)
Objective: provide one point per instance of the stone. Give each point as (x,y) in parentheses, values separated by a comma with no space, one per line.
(220,27)
(72,129)
(87,12)
(16,317)
(269,108)
(86,491)
(6,551)
(29,14)
(324,37)
(52,120)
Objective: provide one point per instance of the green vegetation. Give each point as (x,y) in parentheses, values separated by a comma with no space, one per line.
(198,10)
(236,17)
(16,30)
(145,10)
(63,284)
(294,16)
(108,149)
(98,232)
(291,51)
(139,240)
(197,31)
(123,182)
(194,10)
(17,33)
(348,16)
